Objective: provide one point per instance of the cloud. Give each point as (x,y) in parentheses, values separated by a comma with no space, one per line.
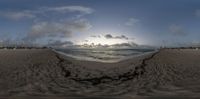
(122,37)
(59,44)
(65,9)
(119,45)
(51,22)
(8,41)
(131,22)
(86,40)
(125,45)
(109,36)
(96,36)
(5,41)
(57,29)
(30,14)
(177,30)
(197,13)
(18,15)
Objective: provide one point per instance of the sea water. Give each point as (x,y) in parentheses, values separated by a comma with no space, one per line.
(103,55)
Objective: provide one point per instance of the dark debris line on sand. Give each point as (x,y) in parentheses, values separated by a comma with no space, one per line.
(138,71)
(61,60)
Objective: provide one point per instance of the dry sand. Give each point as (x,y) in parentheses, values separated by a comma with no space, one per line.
(45,73)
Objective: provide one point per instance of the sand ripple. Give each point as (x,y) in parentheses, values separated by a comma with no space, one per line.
(46,73)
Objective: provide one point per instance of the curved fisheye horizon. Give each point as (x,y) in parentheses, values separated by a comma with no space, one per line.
(99,49)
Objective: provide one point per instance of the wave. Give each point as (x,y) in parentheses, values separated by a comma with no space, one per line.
(103,55)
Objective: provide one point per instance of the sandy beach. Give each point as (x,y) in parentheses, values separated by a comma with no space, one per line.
(45,73)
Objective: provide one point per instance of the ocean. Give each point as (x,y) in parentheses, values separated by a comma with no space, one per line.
(103,55)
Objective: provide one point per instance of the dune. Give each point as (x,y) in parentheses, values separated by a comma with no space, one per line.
(45,73)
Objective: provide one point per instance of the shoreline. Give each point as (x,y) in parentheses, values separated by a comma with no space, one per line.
(102,61)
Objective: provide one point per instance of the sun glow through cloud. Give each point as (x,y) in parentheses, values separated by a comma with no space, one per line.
(104,41)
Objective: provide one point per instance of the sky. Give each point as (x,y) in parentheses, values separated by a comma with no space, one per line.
(66,22)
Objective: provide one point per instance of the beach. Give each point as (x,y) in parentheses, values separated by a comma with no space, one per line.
(46,73)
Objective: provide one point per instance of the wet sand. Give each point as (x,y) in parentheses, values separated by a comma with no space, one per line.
(45,73)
